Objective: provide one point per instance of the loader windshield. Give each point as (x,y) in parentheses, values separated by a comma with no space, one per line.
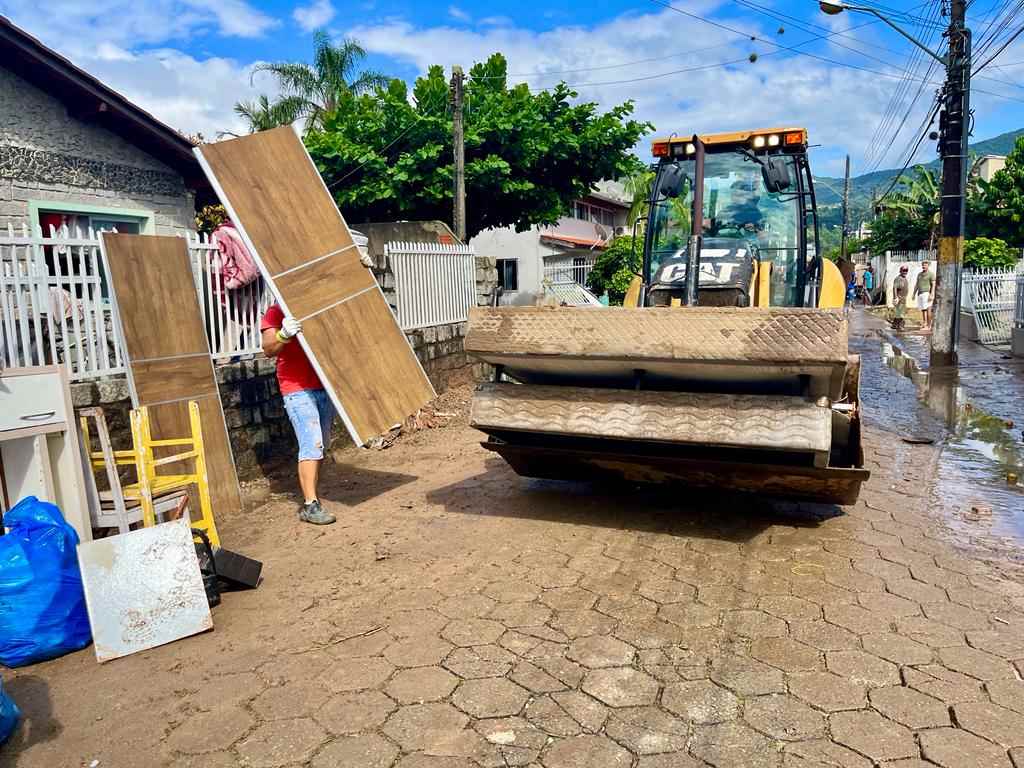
(736,206)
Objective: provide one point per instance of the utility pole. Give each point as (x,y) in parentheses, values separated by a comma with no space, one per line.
(846,210)
(459,213)
(954,130)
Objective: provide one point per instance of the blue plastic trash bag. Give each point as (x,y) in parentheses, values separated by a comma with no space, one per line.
(9,714)
(42,605)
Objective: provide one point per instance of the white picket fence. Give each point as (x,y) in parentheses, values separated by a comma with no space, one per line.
(435,283)
(55,305)
(993,295)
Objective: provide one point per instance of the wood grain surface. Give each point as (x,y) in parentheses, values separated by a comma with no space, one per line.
(167,352)
(300,241)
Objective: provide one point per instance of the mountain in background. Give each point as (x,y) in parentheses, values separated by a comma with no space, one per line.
(865,187)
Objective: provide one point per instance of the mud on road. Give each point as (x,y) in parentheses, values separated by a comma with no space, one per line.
(458,615)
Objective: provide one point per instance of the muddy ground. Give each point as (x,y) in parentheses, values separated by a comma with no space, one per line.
(458,615)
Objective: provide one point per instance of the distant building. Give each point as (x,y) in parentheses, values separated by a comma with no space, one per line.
(75,152)
(555,259)
(986,166)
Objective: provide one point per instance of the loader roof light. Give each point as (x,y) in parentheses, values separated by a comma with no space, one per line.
(690,148)
(794,138)
(759,142)
(678,150)
(773,140)
(660,149)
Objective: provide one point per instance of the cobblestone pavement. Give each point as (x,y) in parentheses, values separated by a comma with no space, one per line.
(460,616)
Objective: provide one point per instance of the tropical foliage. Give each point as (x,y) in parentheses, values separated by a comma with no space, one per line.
(312,91)
(386,156)
(615,268)
(1000,208)
(989,252)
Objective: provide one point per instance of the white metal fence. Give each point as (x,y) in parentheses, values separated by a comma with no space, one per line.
(435,283)
(992,294)
(232,317)
(54,303)
(576,271)
(1018,315)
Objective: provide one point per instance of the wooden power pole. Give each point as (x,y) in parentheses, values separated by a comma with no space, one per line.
(458,142)
(954,129)
(846,210)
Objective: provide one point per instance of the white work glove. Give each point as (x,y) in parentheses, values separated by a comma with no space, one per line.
(365,259)
(290,327)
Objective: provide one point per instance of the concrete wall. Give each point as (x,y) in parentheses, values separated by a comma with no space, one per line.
(46,155)
(527,248)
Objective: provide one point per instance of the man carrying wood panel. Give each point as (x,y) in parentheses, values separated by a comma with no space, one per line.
(306,401)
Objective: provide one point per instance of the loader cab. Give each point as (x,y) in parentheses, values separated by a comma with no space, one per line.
(757,240)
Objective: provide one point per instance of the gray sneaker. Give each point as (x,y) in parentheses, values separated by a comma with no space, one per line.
(314,513)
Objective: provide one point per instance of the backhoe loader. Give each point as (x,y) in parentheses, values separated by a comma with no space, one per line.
(728,366)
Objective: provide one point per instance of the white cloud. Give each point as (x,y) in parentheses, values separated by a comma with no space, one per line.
(458,14)
(840,106)
(316,14)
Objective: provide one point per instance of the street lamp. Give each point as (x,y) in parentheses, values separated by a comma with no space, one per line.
(835,7)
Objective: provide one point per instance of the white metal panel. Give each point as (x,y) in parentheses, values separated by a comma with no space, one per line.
(993,296)
(435,283)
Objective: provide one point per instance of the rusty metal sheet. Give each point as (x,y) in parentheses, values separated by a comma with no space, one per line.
(143,589)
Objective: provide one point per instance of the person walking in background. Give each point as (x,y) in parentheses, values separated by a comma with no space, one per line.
(900,286)
(924,293)
(869,286)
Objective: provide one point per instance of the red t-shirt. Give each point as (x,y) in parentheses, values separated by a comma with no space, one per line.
(294,371)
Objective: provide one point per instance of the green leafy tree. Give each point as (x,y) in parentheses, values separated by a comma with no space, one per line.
(1001,207)
(988,252)
(312,91)
(898,231)
(528,155)
(615,268)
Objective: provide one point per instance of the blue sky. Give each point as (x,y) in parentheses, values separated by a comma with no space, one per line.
(188,61)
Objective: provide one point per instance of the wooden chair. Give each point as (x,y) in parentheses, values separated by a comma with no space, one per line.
(154,495)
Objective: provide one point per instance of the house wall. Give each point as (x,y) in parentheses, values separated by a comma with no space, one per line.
(47,155)
(527,248)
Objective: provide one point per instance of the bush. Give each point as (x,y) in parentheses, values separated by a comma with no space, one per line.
(615,268)
(988,252)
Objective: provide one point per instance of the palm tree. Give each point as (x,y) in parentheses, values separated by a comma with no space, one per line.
(318,88)
(920,197)
(638,187)
(264,114)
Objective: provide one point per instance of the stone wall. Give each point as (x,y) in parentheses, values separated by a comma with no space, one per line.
(47,154)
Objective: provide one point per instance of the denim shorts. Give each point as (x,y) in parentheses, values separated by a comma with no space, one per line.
(311,413)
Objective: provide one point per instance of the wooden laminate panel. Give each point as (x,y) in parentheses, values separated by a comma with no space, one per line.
(300,241)
(167,351)
(157,381)
(384,400)
(270,172)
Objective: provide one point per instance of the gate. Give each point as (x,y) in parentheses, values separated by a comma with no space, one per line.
(992,295)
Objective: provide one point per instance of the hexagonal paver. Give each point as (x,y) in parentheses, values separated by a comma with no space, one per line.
(726,597)
(358,647)
(490,697)
(647,730)
(422,726)
(413,597)
(621,687)
(666,591)
(943,684)
(733,744)
(469,632)
(821,753)
(700,701)
(745,676)
(823,636)
(473,606)
(294,699)
(422,760)
(627,607)
(1007,693)
(689,614)
(785,654)
(1005,643)
(909,707)
(668,760)
(992,722)
(415,686)
(953,615)
(568,599)
(514,615)
(554,577)
(856,619)
(356,674)
(210,731)
(954,748)
(917,591)
(586,751)
(226,690)
(929,632)
(280,742)
(354,712)
(862,667)
(790,608)
(871,734)
(295,666)
(416,623)
(481,661)
(599,651)
(418,652)
(581,623)
(897,648)
(512,591)
(828,691)
(365,751)
(975,663)
(890,606)
(1017,757)
(549,717)
(753,623)
(584,710)
(783,717)
(535,679)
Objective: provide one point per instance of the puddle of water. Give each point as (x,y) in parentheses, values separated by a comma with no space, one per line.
(979,449)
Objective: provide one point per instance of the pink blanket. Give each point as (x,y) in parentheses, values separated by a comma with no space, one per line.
(234,263)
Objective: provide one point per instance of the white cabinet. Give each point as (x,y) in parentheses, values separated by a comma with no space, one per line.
(39,454)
